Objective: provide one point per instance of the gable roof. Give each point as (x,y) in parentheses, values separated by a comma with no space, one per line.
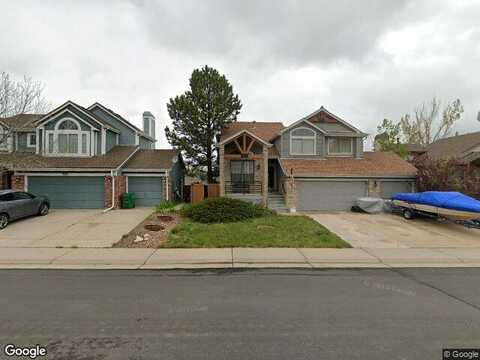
(322,115)
(29,161)
(21,121)
(122,119)
(381,164)
(453,147)
(86,112)
(266,131)
(159,159)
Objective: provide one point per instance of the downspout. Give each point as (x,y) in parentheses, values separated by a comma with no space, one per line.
(167,190)
(113,178)
(113,193)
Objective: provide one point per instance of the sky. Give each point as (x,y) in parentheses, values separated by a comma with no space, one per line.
(362,60)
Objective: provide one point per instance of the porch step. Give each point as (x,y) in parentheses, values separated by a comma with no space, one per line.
(276,202)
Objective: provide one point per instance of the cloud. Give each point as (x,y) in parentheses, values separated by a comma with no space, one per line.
(363,60)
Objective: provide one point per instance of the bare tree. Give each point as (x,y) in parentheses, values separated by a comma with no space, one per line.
(428,126)
(19,97)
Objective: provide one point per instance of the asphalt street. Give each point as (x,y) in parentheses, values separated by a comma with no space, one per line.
(243,314)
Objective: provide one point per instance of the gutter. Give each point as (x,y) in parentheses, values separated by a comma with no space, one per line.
(115,172)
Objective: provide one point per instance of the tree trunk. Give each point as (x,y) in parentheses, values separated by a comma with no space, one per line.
(209,165)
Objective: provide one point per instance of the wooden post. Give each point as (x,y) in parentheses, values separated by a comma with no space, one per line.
(221,164)
(265,176)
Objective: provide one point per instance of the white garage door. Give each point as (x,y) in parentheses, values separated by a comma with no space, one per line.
(329,195)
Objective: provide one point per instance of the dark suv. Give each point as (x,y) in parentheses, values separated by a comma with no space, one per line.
(18,204)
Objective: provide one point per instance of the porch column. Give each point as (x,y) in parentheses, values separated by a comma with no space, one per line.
(265,176)
(221,164)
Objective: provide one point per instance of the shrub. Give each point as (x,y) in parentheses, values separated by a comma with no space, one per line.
(223,209)
(166,206)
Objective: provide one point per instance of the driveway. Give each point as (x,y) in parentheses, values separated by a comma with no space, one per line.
(393,231)
(72,228)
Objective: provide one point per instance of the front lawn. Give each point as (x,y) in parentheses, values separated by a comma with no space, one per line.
(269,231)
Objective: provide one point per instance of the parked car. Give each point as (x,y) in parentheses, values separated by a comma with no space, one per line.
(19,204)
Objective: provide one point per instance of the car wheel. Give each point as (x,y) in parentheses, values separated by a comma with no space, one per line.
(408,214)
(3,221)
(43,209)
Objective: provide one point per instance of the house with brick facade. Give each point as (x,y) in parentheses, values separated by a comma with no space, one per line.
(87,157)
(317,163)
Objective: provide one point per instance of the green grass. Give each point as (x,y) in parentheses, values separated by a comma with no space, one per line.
(270,231)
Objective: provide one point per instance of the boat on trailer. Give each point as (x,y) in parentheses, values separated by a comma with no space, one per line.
(448,205)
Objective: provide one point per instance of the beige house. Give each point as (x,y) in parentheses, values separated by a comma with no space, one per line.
(316,163)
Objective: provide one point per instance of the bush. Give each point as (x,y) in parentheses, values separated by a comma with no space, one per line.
(166,206)
(222,210)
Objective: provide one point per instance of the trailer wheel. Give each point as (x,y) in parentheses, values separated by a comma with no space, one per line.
(408,214)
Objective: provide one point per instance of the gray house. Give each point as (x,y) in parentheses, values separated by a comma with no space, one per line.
(316,163)
(87,157)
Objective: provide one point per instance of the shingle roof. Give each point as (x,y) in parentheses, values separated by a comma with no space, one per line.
(414,148)
(152,159)
(21,121)
(373,164)
(453,147)
(111,160)
(266,131)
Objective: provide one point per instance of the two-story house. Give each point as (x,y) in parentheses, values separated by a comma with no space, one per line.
(87,157)
(316,163)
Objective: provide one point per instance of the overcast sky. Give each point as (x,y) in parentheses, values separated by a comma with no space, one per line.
(363,60)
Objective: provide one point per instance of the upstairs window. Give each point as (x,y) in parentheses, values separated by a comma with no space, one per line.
(303,141)
(340,146)
(68,139)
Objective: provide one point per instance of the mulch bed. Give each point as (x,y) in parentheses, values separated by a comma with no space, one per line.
(150,233)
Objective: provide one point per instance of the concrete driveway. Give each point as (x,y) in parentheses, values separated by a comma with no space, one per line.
(77,228)
(393,231)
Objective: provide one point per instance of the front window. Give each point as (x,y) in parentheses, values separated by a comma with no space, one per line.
(302,142)
(340,146)
(242,174)
(68,139)
(32,140)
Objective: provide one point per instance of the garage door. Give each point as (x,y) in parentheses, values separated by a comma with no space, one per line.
(389,188)
(148,190)
(329,195)
(69,192)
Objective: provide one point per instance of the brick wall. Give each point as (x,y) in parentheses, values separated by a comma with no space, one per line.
(18,182)
(290,194)
(374,189)
(120,188)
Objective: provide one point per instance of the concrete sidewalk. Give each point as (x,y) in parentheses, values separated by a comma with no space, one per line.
(108,258)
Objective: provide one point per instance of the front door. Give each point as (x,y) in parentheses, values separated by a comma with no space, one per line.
(271,178)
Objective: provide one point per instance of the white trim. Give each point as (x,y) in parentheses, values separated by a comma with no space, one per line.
(167,188)
(118,138)
(137,139)
(302,120)
(246,132)
(80,133)
(339,154)
(303,137)
(126,123)
(104,141)
(126,184)
(25,183)
(146,175)
(72,115)
(29,137)
(46,117)
(37,145)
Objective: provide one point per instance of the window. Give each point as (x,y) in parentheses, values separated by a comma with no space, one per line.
(242,172)
(22,196)
(32,140)
(68,139)
(303,141)
(340,146)
(7,197)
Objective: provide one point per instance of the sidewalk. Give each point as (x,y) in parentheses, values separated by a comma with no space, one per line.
(108,258)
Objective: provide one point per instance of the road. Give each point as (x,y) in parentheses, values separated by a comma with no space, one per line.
(251,314)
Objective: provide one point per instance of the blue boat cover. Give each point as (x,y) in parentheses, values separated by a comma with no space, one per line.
(442,199)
